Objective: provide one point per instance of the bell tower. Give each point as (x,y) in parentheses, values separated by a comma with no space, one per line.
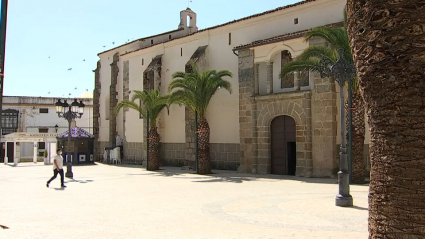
(188,20)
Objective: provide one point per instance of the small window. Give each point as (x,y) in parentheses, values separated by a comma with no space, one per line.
(181,51)
(143,62)
(295,20)
(169,37)
(43,130)
(40,154)
(44,111)
(230,38)
(152,41)
(41,145)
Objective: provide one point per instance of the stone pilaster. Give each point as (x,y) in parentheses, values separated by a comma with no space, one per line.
(257,79)
(190,138)
(126,96)
(324,112)
(113,100)
(97,151)
(246,91)
(269,77)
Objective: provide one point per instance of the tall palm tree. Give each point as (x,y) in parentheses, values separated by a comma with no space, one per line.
(152,103)
(387,40)
(195,90)
(318,58)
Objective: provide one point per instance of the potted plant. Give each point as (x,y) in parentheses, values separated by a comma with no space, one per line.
(46,161)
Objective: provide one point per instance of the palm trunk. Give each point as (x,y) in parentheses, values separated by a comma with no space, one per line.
(387,44)
(204,164)
(358,135)
(154,139)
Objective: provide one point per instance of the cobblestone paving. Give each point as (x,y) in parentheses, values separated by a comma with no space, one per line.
(129,202)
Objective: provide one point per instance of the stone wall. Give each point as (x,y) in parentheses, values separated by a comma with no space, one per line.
(113,100)
(324,111)
(190,148)
(173,154)
(133,153)
(96,112)
(225,156)
(247,113)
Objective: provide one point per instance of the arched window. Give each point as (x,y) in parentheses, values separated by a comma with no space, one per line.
(288,80)
(9,121)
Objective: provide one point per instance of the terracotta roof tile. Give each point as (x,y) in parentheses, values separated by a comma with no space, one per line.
(283,37)
(224,24)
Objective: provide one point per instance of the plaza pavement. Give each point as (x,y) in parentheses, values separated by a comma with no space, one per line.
(107,201)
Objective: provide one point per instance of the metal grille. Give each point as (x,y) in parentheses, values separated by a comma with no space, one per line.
(288,80)
(304,78)
(9,121)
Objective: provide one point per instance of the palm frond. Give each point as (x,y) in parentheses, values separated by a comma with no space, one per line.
(300,65)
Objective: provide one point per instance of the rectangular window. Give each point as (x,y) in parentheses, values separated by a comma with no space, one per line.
(43,130)
(9,121)
(152,41)
(40,154)
(181,51)
(230,38)
(43,110)
(41,145)
(169,37)
(295,21)
(143,62)
(288,80)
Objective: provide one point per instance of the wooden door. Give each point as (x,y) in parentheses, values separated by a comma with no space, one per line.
(282,145)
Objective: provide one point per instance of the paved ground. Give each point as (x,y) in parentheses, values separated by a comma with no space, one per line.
(128,202)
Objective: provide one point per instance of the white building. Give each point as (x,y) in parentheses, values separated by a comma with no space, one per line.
(254,48)
(37,116)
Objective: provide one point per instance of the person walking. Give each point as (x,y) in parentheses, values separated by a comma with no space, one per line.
(57,168)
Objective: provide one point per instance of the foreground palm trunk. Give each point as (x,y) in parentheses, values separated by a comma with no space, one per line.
(204,164)
(154,139)
(358,135)
(387,40)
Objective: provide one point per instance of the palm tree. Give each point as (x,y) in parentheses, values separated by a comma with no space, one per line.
(318,58)
(151,105)
(195,90)
(387,40)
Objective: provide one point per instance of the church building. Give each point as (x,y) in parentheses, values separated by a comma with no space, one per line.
(266,125)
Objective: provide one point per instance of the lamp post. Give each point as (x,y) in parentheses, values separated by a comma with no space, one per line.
(343,71)
(69,112)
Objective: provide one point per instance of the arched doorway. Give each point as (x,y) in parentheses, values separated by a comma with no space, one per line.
(283,146)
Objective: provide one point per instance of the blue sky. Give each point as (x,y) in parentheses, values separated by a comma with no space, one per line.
(72,32)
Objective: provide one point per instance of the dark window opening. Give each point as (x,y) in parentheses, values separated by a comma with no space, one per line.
(44,110)
(41,154)
(41,145)
(143,62)
(181,51)
(169,37)
(230,38)
(295,20)
(9,121)
(152,41)
(43,130)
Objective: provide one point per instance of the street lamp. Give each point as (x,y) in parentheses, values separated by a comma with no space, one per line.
(343,71)
(69,112)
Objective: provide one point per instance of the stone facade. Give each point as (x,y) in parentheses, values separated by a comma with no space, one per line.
(314,112)
(96,113)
